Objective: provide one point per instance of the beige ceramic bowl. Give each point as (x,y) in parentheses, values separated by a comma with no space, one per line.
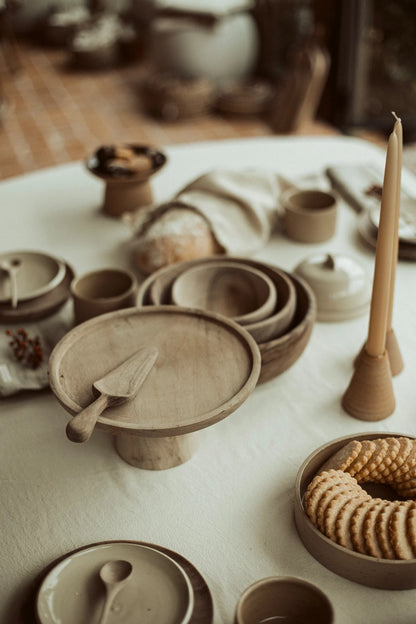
(101,291)
(310,215)
(283,599)
(235,290)
(363,569)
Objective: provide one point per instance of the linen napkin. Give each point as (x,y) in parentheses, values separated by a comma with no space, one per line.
(29,370)
(242,207)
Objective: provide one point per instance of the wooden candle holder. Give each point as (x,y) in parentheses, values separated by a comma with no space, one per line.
(393,350)
(370,395)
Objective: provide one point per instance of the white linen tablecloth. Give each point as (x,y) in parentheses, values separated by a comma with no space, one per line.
(229,510)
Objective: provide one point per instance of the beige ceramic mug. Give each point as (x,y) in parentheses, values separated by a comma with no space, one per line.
(101,291)
(283,599)
(310,215)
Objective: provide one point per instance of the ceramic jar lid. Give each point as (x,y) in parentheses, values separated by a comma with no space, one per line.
(341,285)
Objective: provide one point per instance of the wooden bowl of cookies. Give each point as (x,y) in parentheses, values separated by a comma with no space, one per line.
(352,510)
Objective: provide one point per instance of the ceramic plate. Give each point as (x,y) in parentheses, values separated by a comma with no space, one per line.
(159,591)
(407,221)
(39,307)
(38,274)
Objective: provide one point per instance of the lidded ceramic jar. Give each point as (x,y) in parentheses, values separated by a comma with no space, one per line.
(341,285)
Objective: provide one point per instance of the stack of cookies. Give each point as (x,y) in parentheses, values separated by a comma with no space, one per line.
(342,510)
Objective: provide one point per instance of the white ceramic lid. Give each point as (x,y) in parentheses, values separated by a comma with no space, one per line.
(341,285)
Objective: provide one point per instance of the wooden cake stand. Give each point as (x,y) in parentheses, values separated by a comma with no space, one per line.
(206,368)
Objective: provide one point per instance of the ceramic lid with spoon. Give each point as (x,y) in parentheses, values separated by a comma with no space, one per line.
(156,589)
(26,275)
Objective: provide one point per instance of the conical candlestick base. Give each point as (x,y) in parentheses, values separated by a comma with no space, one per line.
(393,350)
(370,395)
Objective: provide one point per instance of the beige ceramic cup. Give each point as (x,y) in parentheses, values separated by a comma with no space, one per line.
(101,291)
(283,599)
(310,215)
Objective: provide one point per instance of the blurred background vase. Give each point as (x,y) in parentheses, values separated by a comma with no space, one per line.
(215,47)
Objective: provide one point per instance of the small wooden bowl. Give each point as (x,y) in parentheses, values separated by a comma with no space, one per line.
(281,353)
(156,289)
(235,290)
(363,569)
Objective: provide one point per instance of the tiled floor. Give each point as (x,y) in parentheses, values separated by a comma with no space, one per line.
(56,114)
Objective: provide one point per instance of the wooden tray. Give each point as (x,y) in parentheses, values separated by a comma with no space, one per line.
(207,366)
(45,305)
(203,609)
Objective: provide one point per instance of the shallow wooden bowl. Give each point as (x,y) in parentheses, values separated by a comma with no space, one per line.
(233,289)
(156,289)
(363,569)
(281,353)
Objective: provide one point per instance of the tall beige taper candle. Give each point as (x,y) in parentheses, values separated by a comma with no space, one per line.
(380,298)
(398,129)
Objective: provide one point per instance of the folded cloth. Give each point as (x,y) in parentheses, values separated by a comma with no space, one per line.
(28,368)
(241,207)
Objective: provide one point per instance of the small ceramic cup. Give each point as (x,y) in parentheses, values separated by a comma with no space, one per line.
(101,291)
(310,215)
(283,599)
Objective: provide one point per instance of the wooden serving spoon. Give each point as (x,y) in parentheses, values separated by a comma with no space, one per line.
(118,386)
(114,574)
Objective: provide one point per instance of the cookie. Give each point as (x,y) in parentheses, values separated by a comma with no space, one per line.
(343,521)
(380,451)
(357,524)
(366,452)
(411,528)
(389,458)
(381,527)
(316,488)
(399,464)
(334,507)
(343,457)
(398,531)
(371,543)
(345,486)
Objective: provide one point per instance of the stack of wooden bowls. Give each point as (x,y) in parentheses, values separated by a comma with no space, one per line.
(277,308)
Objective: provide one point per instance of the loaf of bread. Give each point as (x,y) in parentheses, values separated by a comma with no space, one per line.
(177,235)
